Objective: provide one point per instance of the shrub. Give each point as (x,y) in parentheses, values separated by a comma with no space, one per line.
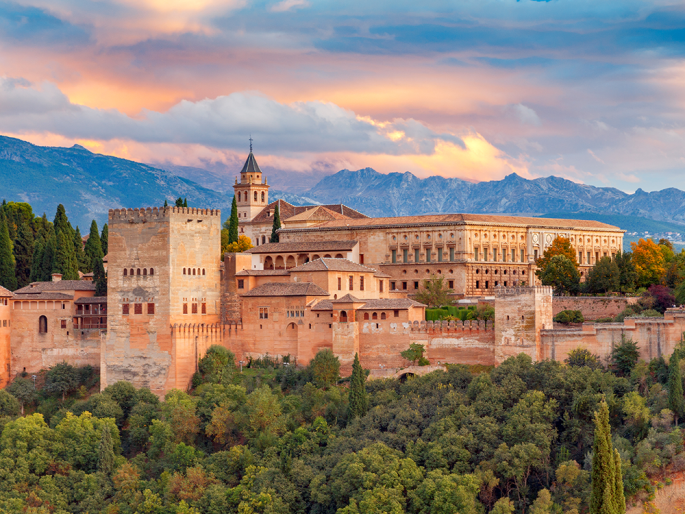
(569,316)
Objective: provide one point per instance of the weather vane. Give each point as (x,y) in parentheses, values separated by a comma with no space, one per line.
(250,143)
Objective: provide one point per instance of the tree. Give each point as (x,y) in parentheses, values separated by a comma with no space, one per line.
(663,298)
(24,391)
(179,202)
(604,276)
(562,274)
(79,255)
(37,261)
(358,398)
(325,368)
(93,247)
(415,353)
(624,356)
(607,481)
(65,258)
(628,275)
(218,365)
(8,277)
(232,223)
(23,254)
(276,225)
(560,246)
(649,262)
(61,222)
(434,292)
(104,239)
(166,204)
(185,202)
(675,387)
(49,254)
(241,245)
(9,405)
(99,277)
(62,379)
(106,452)
(582,357)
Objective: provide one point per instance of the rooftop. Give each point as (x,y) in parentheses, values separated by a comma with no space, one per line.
(4,293)
(43,296)
(329,264)
(348,298)
(287,210)
(263,273)
(91,299)
(318,213)
(287,289)
(305,246)
(378,305)
(60,285)
(251,165)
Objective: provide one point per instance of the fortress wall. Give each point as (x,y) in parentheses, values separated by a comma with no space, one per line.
(593,307)
(5,340)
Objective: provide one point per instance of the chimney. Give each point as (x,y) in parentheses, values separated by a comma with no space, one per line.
(56,277)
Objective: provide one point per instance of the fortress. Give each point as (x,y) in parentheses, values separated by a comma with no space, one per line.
(337,279)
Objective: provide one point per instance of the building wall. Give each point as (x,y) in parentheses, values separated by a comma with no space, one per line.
(5,340)
(593,307)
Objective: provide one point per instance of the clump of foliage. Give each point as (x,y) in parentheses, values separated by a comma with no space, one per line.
(415,354)
(569,316)
(434,292)
(562,274)
(582,357)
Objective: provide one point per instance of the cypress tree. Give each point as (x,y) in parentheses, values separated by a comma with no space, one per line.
(166,204)
(37,261)
(607,482)
(233,223)
(276,225)
(23,254)
(99,277)
(93,248)
(185,202)
(358,399)
(106,452)
(8,278)
(61,222)
(82,262)
(104,238)
(179,202)
(48,264)
(675,387)
(65,258)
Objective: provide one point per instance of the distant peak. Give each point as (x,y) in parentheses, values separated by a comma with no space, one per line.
(79,147)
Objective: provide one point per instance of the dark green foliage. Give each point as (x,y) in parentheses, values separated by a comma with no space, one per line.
(217,366)
(84,265)
(23,254)
(106,452)
(9,405)
(582,357)
(451,312)
(61,222)
(8,277)
(434,292)
(166,204)
(24,391)
(676,402)
(93,249)
(325,368)
(104,239)
(233,223)
(99,277)
(604,276)
(37,261)
(561,274)
(415,354)
(358,399)
(627,275)
(185,202)
(607,481)
(62,379)
(276,225)
(49,256)
(569,316)
(179,202)
(65,258)
(624,356)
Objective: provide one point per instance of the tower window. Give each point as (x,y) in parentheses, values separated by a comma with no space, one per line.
(193,271)
(263,197)
(43,325)
(238,196)
(131,272)
(150,308)
(204,308)
(203,271)
(351,283)
(152,271)
(138,272)
(124,309)
(125,272)
(138,308)
(184,271)
(339,284)
(194,308)
(145,272)
(255,196)
(185,308)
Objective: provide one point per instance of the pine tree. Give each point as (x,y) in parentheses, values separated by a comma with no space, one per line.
(233,223)
(359,401)
(93,249)
(106,452)
(61,222)
(179,202)
(607,483)
(23,254)
(276,225)
(65,258)
(166,204)
(37,260)
(99,277)
(49,253)
(82,262)
(8,278)
(675,388)
(104,239)
(185,202)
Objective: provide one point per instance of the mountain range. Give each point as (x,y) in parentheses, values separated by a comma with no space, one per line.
(90,184)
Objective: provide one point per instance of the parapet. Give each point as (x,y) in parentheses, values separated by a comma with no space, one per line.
(144,214)
(431,327)
(501,291)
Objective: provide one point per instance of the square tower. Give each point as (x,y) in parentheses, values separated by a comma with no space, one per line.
(250,193)
(163,296)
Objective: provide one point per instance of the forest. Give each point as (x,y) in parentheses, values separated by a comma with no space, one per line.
(275,437)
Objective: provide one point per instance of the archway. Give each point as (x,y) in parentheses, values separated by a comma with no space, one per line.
(43,325)
(290,263)
(301,259)
(315,257)
(268,262)
(279,263)
(338,256)
(343,316)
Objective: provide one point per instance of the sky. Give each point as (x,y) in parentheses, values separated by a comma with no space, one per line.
(473,89)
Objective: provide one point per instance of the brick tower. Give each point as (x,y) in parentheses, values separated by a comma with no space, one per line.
(163,295)
(252,195)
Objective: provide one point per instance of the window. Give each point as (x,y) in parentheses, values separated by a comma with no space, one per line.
(451,284)
(43,325)
(475,253)
(193,271)
(416,255)
(184,271)
(185,308)
(416,285)
(150,308)
(535,254)
(152,271)
(405,258)
(145,272)
(380,285)
(485,254)
(138,272)
(374,315)
(513,255)
(494,254)
(588,259)
(394,256)
(125,272)
(203,272)
(396,313)
(204,308)
(263,313)
(124,309)
(366,316)
(339,284)
(63,323)
(351,283)
(404,286)
(255,196)
(439,254)
(361,258)
(263,202)
(382,315)
(131,272)
(523,255)
(477,284)
(428,255)
(194,308)
(392,286)
(361,283)
(238,196)
(137,308)
(451,254)
(487,284)
(241,283)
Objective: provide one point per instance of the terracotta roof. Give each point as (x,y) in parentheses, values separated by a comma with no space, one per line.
(91,299)
(60,285)
(287,210)
(328,264)
(390,303)
(5,292)
(318,213)
(263,272)
(251,165)
(381,274)
(43,296)
(348,298)
(305,246)
(459,219)
(323,305)
(287,289)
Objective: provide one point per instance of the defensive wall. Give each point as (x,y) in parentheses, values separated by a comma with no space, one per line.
(593,307)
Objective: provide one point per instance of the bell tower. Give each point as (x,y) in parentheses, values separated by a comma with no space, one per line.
(252,195)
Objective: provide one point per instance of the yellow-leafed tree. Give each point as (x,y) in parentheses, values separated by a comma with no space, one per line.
(649,262)
(560,246)
(242,244)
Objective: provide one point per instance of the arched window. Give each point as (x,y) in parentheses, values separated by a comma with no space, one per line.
(382,315)
(125,272)
(184,271)
(343,316)
(193,271)
(131,272)
(255,196)
(263,197)
(203,271)
(152,271)
(138,271)
(366,316)
(145,272)
(43,325)
(263,239)
(374,315)
(238,195)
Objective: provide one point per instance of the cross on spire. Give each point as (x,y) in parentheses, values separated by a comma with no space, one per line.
(250,143)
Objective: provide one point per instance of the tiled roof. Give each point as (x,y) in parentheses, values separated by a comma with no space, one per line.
(318,213)
(43,296)
(60,285)
(348,298)
(263,273)
(251,165)
(323,305)
(390,303)
(287,210)
(460,219)
(5,292)
(91,299)
(287,289)
(381,274)
(328,264)
(305,246)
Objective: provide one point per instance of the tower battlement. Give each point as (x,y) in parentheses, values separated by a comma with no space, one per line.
(145,214)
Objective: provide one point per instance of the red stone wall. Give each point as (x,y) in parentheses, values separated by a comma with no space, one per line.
(5,332)
(593,307)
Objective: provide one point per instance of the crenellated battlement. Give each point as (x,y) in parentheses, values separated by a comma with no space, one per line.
(501,291)
(446,327)
(197,328)
(145,214)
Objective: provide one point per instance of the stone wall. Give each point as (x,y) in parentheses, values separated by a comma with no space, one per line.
(593,307)
(5,341)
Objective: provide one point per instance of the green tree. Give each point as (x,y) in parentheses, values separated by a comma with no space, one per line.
(49,255)
(106,452)
(24,391)
(579,357)
(607,481)
(65,258)
(604,276)
(93,247)
(415,354)
(185,202)
(37,261)
(218,365)
(675,387)
(179,202)
(104,239)
(232,223)
(8,278)
(325,367)
(627,273)
(61,222)
(62,379)
(562,274)
(79,255)
(99,277)
(358,398)
(166,204)
(624,356)
(23,254)
(9,405)
(276,225)
(560,246)
(434,292)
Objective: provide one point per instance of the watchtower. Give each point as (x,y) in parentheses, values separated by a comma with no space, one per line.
(163,272)
(252,195)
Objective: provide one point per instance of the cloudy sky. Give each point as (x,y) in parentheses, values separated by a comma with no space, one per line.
(477,89)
